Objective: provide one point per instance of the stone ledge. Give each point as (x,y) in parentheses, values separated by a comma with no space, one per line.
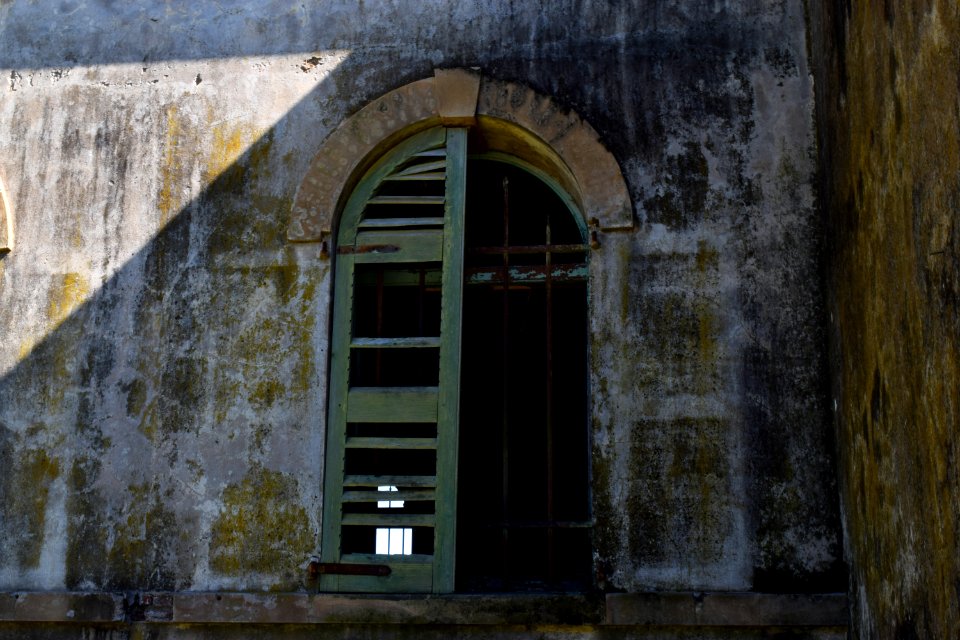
(727,609)
(685,609)
(60,606)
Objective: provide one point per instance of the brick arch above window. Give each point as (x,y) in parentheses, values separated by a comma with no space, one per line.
(512,118)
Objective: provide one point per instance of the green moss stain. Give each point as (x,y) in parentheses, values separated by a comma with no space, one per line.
(266,393)
(183,386)
(128,543)
(51,364)
(25,508)
(269,358)
(682,196)
(142,537)
(238,166)
(136,392)
(149,424)
(707,260)
(706,376)
(678,346)
(606,514)
(86,528)
(262,528)
(679,499)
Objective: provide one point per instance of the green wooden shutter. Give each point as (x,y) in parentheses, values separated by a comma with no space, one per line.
(394,224)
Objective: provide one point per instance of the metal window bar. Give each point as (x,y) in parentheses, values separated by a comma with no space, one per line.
(551,573)
(536,527)
(503,279)
(505,355)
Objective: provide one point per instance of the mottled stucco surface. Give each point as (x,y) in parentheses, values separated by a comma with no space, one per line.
(164,348)
(890,112)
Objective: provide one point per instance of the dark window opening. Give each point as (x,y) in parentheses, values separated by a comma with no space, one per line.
(523,515)
(393,301)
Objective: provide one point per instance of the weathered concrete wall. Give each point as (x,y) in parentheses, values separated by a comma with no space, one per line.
(163,361)
(889,104)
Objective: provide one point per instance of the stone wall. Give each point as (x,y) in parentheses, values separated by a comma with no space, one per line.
(164,347)
(889,108)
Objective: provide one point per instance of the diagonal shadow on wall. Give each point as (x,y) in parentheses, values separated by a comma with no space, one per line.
(166,434)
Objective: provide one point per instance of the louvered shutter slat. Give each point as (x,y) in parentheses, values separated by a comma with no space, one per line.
(392,404)
(409,245)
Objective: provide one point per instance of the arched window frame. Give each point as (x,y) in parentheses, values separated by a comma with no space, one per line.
(528,129)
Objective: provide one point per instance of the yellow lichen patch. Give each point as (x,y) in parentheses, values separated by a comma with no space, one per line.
(136,397)
(129,545)
(707,323)
(229,144)
(27,506)
(248,215)
(267,392)
(708,260)
(68,291)
(226,392)
(680,490)
(262,528)
(171,168)
(26,346)
(6,222)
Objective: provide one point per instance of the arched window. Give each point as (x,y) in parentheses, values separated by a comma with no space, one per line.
(457,453)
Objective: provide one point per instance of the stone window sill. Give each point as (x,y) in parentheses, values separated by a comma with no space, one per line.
(677,609)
